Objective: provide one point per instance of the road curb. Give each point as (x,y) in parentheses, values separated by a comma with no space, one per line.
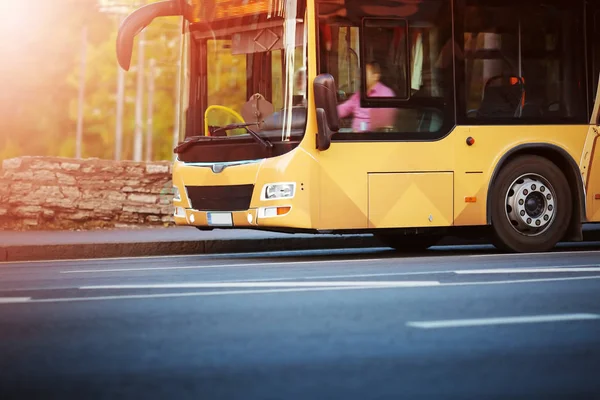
(166,248)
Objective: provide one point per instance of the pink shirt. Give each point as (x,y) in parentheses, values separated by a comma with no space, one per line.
(363,116)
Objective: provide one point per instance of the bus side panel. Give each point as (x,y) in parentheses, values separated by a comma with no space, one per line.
(475,164)
(344,192)
(343,188)
(471,175)
(593,185)
(345,166)
(408,200)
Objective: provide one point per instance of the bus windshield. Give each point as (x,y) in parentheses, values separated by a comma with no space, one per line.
(252,69)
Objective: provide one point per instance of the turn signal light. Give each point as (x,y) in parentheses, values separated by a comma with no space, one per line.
(471,199)
(597,197)
(283,210)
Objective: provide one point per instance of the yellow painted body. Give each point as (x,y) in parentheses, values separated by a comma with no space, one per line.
(419,199)
(591,158)
(365,185)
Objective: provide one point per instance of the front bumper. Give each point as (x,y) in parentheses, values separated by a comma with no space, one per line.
(233,196)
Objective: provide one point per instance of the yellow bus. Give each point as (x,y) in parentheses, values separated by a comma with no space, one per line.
(408,119)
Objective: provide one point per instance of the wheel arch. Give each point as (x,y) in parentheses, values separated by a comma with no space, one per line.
(566,163)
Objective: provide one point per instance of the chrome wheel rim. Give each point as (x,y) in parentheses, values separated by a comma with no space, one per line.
(530,204)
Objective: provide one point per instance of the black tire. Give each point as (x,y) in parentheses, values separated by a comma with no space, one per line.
(408,243)
(530,190)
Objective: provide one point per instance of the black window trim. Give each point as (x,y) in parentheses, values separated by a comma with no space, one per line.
(582,71)
(449,111)
(457,8)
(383,102)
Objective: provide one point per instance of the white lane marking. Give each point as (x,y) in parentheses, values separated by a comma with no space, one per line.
(293,263)
(287,278)
(460,323)
(12,300)
(244,265)
(529,270)
(574,278)
(383,274)
(290,290)
(196,294)
(504,282)
(251,285)
(374,284)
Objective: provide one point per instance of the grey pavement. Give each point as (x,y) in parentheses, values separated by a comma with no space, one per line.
(450,323)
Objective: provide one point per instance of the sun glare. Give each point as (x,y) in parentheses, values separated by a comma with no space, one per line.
(22,27)
(15,16)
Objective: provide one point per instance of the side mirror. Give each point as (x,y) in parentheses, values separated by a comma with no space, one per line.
(137,21)
(328,121)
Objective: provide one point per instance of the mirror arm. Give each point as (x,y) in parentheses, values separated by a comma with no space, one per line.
(137,21)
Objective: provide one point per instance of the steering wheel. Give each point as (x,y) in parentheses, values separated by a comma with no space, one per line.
(226,109)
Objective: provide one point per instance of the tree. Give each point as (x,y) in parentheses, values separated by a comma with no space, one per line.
(39,46)
(40,96)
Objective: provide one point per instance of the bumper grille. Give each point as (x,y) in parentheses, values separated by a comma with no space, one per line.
(220,198)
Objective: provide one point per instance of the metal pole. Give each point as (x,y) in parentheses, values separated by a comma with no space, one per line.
(79,136)
(120,110)
(176,122)
(138,136)
(149,120)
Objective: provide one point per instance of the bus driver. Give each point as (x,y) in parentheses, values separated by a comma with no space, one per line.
(366,119)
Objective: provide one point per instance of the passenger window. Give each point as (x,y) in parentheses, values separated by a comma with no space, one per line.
(348,60)
(386,62)
(386,58)
(596,55)
(523,63)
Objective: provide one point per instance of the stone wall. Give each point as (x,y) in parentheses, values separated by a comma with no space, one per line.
(64,193)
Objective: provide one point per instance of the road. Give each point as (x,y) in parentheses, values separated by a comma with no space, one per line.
(450,323)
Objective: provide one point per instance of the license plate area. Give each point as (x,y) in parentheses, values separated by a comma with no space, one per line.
(219,218)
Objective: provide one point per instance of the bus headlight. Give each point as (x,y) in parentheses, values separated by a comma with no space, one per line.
(274,191)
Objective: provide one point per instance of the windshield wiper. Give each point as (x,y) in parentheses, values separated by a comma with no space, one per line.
(267,144)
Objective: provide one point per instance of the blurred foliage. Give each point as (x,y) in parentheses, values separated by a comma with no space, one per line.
(41,45)
(40,48)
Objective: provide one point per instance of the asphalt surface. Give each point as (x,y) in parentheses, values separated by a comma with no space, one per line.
(450,323)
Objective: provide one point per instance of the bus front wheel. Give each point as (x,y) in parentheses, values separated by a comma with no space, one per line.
(531,205)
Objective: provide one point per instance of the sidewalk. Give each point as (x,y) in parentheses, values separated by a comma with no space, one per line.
(136,242)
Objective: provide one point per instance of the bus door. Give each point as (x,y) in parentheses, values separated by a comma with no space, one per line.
(385,166)
(590,161)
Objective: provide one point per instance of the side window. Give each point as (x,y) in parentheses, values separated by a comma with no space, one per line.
(393,67)
(595,58)
(523,63)
(386,58)
(348,60)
